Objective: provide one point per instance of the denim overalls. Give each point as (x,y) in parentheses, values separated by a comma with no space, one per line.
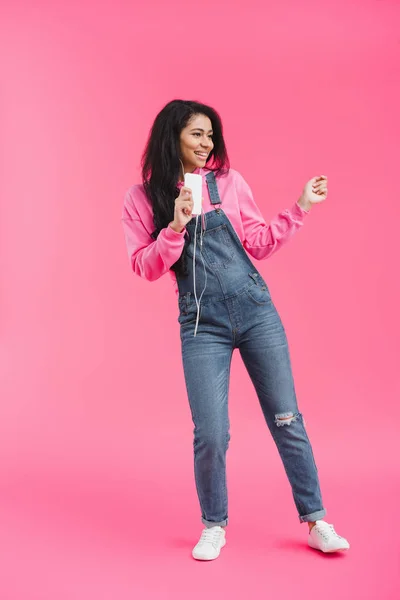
(236,311)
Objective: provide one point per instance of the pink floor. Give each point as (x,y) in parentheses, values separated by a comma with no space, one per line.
(108,529)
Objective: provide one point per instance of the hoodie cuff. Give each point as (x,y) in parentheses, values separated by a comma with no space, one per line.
(298,211)
(171,234)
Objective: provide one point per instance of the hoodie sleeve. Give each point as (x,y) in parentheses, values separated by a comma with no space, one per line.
(149,258)
(262,239)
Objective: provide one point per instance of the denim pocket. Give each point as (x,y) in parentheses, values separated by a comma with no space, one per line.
(258,290)
(218,247)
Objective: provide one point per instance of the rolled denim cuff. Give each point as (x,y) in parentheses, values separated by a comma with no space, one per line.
(315,516)
(209,524)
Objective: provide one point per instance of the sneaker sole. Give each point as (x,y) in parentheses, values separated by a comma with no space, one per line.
(329,551)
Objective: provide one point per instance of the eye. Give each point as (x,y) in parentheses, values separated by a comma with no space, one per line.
(197,134)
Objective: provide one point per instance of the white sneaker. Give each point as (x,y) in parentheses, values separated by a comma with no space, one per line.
(323,537)
(210,543)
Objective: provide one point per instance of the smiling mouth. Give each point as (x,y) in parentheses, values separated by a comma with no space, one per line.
(203,155)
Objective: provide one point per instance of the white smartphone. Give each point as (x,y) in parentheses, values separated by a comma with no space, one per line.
(195,183)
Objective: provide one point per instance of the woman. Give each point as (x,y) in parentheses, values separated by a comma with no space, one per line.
(224,303)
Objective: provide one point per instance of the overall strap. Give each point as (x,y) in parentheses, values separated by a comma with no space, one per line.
(213,189)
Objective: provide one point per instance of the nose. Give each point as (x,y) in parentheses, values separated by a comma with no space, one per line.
(206,143)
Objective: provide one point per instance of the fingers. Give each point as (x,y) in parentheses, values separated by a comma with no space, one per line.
(320,190)
(185,193)
(320,184)
(184,202)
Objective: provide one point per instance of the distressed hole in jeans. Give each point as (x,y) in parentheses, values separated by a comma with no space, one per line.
(285,419)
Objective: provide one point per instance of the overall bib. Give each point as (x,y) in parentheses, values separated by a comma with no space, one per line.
(236,311)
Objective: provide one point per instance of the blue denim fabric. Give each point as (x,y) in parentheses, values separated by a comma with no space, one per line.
(237,311)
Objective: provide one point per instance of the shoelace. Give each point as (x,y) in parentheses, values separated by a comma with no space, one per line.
(322,530)
(210,537)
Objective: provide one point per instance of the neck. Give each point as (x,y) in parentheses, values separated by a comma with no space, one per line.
(184,170)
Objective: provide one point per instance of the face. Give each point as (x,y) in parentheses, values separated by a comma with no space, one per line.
(196,142)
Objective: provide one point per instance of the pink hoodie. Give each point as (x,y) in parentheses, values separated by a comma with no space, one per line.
(152,258)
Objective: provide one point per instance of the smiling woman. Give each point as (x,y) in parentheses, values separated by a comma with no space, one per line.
(235,309)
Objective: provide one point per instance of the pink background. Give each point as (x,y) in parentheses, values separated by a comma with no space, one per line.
(97,498)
